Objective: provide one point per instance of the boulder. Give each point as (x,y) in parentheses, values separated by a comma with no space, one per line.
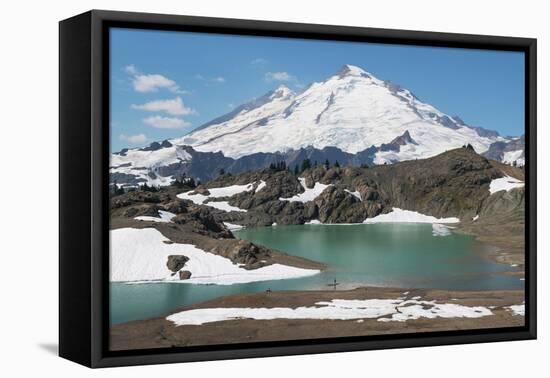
(185,275)
(176,262)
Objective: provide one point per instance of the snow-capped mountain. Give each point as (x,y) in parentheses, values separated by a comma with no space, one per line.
(352,117)
(351,110)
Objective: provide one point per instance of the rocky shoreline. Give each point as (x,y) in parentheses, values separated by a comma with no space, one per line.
(162,333)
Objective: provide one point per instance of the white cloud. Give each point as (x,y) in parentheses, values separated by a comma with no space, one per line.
(153,82)
(150,82)
(134,139)
(278,76)
(217,79)
(161,122)
(131,69)
(173,106)
(259,61)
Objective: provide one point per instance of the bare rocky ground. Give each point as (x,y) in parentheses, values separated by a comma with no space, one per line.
(161,333)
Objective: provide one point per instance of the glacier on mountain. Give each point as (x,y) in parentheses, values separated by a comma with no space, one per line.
(352,110)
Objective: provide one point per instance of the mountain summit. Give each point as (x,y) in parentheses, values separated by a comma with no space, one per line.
(352,110)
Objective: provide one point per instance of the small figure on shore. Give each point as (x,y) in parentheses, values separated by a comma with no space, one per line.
(268,290)
(334,284)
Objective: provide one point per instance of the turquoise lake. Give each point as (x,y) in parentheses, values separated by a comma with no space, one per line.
(396,255)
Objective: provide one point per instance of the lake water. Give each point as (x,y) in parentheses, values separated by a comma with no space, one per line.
(397,255)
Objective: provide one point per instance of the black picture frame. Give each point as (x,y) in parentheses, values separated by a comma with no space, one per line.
(83,196)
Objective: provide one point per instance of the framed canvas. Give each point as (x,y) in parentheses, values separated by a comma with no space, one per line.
(234,188)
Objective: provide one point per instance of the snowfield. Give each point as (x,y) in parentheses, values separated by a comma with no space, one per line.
(505,183)
(406,216)
(164,217)
(385,310)
(309,194)
(514,156)
(139,255)
(228,191)
(352,110)
(138,163)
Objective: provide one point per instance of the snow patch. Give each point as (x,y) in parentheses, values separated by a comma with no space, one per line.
(233,227)
(505,183)
(406,216)
(228,191)
(440,230)
(356,194)
(385,310)
(308,194)
(260,186)
(140,163)
(139,255)
(164,217)
(475,218)
(517,309)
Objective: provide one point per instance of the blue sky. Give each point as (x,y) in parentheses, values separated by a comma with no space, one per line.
(164,84)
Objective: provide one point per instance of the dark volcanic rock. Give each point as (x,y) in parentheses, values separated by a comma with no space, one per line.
(202,221)
(176,206)
(243,252)
(139,209)
(396,143)
(176,262)
(137,197)
(338,206)
(185,275)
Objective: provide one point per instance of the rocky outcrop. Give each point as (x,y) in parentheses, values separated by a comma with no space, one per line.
(452,184)
(134,197)
(201,220)
(335,205)
(176,262)
(244,253)
(396,143)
